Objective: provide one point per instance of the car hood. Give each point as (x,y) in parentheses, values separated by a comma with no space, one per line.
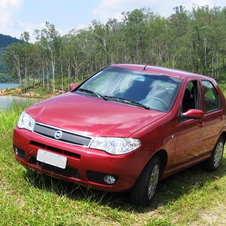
(92,116)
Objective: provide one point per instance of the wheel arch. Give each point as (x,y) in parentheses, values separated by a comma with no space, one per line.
(223,134)
(162,154)
(140,191)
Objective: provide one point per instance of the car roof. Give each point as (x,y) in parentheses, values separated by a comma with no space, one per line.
(162,71)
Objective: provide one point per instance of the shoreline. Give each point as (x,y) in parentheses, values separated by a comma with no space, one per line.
(16,92)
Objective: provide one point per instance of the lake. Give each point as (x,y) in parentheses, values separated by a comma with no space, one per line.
(8,85)
(7,101)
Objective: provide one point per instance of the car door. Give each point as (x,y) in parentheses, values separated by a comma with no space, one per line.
(213,117)
(190,131)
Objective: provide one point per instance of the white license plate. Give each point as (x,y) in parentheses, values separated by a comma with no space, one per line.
(52,159)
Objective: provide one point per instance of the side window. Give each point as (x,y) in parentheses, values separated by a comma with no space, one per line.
(212,101)
(191,97)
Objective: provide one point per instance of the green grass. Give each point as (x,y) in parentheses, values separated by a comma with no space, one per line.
(191,197)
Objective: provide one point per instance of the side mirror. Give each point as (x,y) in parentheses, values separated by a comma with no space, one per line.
(73,86)
(193,114)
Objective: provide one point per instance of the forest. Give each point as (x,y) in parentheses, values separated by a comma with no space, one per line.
(5,75)
(188,40)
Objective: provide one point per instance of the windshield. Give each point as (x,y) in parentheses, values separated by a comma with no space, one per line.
(133,87)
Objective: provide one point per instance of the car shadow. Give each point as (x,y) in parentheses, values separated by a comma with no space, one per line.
(169,190)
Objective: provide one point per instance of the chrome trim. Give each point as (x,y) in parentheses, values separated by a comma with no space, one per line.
(63,130)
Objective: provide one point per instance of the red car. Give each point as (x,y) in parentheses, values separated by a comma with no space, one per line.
(125,128)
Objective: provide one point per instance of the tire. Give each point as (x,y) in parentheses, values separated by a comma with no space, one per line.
(213,163)
(143,191)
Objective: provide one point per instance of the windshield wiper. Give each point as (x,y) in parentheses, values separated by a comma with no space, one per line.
(92,92)
(128,101)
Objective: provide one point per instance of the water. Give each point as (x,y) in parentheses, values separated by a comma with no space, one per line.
(7,101)
(8,85)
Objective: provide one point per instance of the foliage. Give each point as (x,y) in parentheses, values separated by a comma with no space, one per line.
(5,41)
(188,40)
(6,78)
(3,67)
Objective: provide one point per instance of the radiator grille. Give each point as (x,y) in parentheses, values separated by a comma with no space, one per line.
(67,137)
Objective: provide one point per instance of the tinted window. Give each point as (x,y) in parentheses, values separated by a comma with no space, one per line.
(212,101)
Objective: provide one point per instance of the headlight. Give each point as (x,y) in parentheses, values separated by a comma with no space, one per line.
(115,145)
(26,122)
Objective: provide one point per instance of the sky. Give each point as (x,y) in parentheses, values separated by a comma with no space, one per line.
(18,16)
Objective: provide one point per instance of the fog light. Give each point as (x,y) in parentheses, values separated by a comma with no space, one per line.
(16,151)
(109,179)
(20,153)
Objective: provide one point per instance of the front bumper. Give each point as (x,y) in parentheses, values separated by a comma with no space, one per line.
(85,166)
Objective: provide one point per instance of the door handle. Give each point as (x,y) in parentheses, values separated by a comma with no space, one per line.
(221,117)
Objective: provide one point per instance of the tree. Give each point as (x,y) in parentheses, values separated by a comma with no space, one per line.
(13,57)
(188,40)
(179,45)
(50,40)
(136,34)
(207,37)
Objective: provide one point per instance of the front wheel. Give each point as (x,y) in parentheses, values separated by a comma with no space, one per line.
(214,161)
(143,191)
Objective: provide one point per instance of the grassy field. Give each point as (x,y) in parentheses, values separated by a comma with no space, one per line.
(191,197)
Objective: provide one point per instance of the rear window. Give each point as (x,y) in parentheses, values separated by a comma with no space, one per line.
(212,100)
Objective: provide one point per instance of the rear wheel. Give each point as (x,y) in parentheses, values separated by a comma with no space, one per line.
(214,161)
(145,187)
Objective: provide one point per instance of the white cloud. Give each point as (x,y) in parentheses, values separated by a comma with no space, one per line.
(12,3)
(112,9)
(8,10)
(106,9)
(29,27)
(10,24)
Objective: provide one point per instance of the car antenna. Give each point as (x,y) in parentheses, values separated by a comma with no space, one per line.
(145,66)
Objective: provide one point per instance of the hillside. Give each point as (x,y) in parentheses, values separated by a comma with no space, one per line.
(5,40)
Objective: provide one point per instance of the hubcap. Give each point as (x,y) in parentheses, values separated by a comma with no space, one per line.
(218,154)
(153,181)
